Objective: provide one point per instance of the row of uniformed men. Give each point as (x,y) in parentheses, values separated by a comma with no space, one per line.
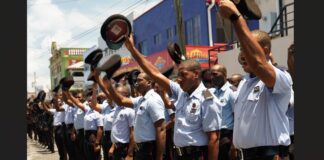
(260,104)
(260,125)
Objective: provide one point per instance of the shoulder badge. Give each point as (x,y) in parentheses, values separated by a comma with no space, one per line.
(207,94)
(233,88)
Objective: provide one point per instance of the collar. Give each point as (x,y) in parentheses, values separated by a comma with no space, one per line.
(197,92)
(225,86)
(148,94)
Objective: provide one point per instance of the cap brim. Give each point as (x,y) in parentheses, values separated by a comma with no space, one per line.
(112,60)
(94,57)
(114,46)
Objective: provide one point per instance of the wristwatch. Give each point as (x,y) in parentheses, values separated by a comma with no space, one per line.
(234,17)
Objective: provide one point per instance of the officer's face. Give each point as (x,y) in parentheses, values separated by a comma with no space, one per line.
(243,62)
(186,78)
(122,91)
(142,85)
(235,80)
(218,77)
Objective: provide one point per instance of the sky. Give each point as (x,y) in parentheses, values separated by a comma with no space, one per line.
(71,24)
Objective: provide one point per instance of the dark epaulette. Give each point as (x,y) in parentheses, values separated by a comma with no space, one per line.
(207,95)
(233,88)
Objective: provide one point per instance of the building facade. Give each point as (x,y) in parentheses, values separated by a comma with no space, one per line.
(154,29)
(61,59)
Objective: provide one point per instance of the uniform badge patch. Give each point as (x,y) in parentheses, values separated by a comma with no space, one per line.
(256,89)
(193,108)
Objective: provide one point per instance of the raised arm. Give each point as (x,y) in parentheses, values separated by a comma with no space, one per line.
(253,52)
(75,101)
(147,66)
(116,97)
(101,85)
(94,104)
(67,101)
(46,107)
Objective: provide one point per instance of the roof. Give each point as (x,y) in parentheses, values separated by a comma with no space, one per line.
(78,65)
(138,12)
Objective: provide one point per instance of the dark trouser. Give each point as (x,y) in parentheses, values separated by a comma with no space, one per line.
(145,150)
(89,142)
(120,151)
(80,144)
(30,130)
(70,145)
(106,144)
(34,129)
(169,145)
(50,139)
(291,149)
(264,152)
(191,153)
(225,143)
(59,140)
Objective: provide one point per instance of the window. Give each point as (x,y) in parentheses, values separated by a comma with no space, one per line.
(171,32)
(142,46)
(196,28)
(192,29)
(77,74)
(158,39)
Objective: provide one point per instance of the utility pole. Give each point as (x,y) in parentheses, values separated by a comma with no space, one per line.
(181,37)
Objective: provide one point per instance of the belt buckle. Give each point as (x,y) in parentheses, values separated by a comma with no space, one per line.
(137,147)
(178,150)
(240,154)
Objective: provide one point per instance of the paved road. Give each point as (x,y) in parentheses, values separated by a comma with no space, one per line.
(36,152)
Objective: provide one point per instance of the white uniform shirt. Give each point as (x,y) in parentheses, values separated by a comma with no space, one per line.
(194,116)
(148,110)
(123,120)
(260,113)
(107,112)
(92,119)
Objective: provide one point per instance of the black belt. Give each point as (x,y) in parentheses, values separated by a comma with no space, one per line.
(70,126)
(190,149)
(144,145)
(87,133)
(121,145)
(80,131)
(265,151)
(107,133)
